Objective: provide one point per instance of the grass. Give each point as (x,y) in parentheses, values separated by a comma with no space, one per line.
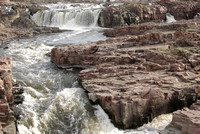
(181,52)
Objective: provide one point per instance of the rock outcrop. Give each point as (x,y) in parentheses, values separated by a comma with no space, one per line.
(19,24)
(138,77)
(182,9)
(185,121)
(140,12)
(7,123)
(131,13)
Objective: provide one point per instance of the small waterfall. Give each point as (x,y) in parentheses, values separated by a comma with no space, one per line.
(170,18)
(67,16)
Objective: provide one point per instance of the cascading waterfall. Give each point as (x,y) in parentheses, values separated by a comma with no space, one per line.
(68,16)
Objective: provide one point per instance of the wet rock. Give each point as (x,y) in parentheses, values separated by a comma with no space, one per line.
(18,99)
(35,8)
(23,22)
(9,129)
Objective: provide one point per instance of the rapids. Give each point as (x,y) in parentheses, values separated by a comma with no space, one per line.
(54,101)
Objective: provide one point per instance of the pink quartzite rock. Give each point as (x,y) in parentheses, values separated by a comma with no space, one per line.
(6,96)
(136,77)
(185,121)
(6,77)
(132,13)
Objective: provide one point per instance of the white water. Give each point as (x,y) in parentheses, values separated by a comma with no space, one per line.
(54,103)
(68,16)
(170,18)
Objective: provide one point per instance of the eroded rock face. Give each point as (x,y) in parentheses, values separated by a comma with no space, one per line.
(185,121)
(137,77)
(131,13)
(6,96)
(181,9)
(143,11)
(19,24)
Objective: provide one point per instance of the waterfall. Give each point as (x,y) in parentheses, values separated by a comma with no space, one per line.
(67,16)
(170,18)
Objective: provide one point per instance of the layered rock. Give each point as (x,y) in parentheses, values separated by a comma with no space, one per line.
(145,11)
(19,24)
(181,9)
(7,124)
(131,13)
(138,77)
(185,121)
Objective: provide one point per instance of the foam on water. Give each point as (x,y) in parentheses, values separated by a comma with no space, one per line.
(54,102)
(68,16)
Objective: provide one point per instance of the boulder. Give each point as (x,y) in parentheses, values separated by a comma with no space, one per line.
(186,121)
(182,9)
(132,13)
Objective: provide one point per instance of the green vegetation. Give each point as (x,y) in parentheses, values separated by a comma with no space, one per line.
(181,52)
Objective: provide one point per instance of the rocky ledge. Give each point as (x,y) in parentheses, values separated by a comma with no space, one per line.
(7,120)
(138,77)
(17,23)
(145,11)
(185,121)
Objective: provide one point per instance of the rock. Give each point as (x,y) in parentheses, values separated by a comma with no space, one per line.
(186,121)
(35,8)
(6,76)
(18,99)
(10,129)
(177,67)
(135,77)
(19,24)
(6,96)
(131,13)
(145,27)
(23,22)
(182,9)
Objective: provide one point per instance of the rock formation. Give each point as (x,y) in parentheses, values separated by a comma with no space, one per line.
(7,123)
(138,77)
(19,25)
(185,121)
(140,12)
(182,9)
(131,13)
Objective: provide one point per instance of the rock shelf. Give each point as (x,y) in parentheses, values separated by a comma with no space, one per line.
(138,77)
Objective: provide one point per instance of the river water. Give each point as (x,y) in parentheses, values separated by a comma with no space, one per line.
(54,101)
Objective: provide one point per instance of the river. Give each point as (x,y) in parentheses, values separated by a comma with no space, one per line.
(54,101)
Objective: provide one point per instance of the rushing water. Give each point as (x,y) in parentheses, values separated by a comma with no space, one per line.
(67,16)
(170,18)
(54,102)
